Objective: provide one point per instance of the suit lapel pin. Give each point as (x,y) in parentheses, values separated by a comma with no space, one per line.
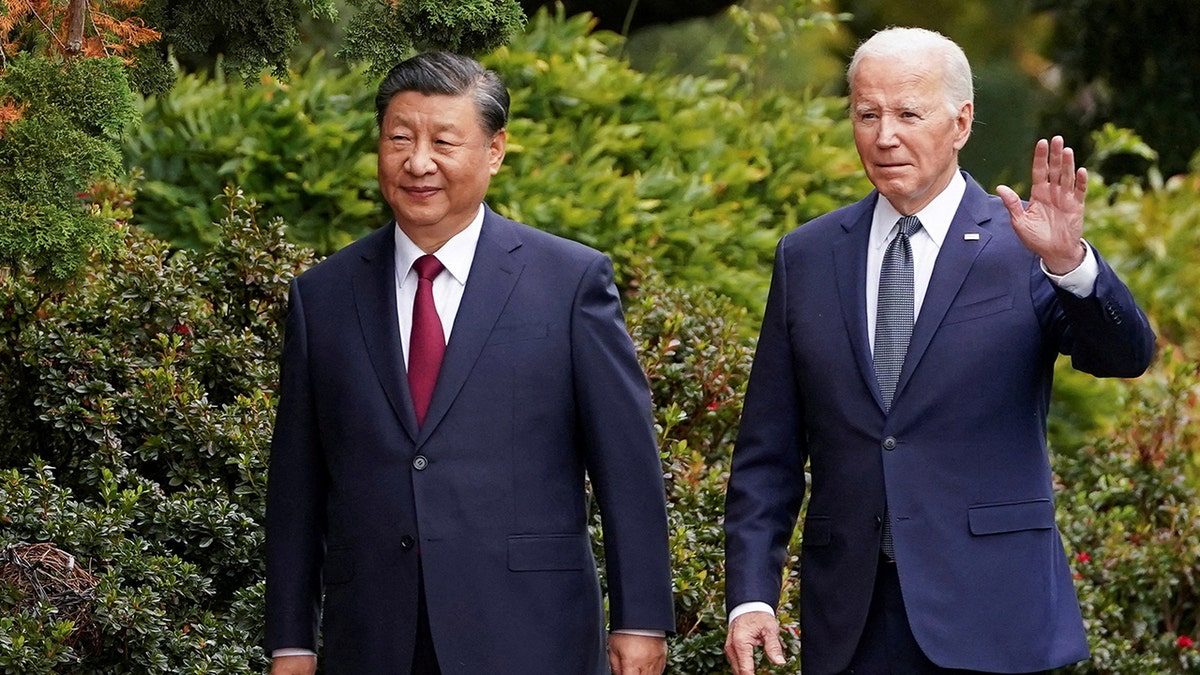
(971,236)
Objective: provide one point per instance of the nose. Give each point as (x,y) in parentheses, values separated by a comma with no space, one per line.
(885,133)
(420,161)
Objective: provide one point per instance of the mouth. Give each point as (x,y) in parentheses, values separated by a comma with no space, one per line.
(421,191)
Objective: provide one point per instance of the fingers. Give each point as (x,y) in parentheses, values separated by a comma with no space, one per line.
(773,648)
(636,654)
(747,632)
(1041,164)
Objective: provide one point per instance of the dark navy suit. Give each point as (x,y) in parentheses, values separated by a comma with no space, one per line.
(538,388)
(961,459)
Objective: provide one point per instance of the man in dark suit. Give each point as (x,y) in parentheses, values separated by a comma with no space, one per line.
(450,382)
(929,543)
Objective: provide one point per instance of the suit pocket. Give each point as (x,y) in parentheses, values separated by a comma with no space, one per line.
(515,332)
(339,566)
(978,308)
(1033,514)
(818,530)
(544,552)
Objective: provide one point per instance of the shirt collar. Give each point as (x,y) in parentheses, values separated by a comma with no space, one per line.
(935,217)
(456,255)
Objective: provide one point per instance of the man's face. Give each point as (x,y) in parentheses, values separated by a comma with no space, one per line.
(435,163)
(907,135)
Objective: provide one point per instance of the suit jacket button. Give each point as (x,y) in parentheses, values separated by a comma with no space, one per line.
(889,443)
(406,542)
(878,522)
(420,462)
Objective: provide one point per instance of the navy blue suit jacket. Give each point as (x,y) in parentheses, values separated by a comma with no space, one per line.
(961,459)
(539,388)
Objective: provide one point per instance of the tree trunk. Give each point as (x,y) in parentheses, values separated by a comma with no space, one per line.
(76,11)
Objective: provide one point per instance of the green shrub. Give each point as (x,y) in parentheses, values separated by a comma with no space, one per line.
(1131,508)
(304,149)
(137,406)
(64,141)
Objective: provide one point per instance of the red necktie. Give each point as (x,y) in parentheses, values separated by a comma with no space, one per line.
(427,342)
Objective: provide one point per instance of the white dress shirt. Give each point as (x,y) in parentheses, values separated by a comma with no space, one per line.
(926,243)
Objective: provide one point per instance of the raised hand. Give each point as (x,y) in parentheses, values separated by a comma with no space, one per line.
(1051,225)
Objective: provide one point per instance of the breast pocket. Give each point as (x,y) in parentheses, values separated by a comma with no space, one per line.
(978,308)
(505,333)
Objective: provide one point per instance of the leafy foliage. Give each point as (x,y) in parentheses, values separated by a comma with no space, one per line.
(305,148)
(64,140)
(1132,501)
(383,33)
(137,407)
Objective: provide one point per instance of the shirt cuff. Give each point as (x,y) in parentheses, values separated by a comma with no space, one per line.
(643,633)
(747,607)
(1080,281)
(292,652)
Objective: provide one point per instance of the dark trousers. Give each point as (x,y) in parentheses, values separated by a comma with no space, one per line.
(424,658)
(887,645)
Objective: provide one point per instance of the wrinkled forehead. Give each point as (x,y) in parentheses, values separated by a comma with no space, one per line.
(890,81)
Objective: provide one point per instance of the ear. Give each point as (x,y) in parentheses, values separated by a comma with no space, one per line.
(496,150)
(963,124)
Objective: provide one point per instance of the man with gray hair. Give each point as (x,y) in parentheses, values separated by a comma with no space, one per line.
(905,364)
(450,384)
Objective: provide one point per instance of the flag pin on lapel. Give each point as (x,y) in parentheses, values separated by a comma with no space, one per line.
(971,236)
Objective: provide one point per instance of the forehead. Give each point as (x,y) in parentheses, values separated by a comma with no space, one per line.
(438,110)
(889,82)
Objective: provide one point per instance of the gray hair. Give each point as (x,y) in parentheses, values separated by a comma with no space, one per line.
(447,74)
(905,42)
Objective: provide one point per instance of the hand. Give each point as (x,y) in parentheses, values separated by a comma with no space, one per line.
(294,665)
(747,632)
(636,654)
(1053,223)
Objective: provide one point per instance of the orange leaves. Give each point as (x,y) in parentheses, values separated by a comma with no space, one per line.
(10,112)
(110,27)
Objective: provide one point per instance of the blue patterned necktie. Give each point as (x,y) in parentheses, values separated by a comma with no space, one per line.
(894,313)
(893,328)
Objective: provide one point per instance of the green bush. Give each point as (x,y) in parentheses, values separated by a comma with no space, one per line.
(137,406)
(1131,518)
(65,139)
(303,148)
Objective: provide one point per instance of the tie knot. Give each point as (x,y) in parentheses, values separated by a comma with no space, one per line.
(428,267)
(908,225)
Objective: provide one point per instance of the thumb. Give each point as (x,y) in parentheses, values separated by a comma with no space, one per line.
(1011,200)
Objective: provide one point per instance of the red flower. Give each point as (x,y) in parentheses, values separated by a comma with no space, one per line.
(181,329)
(1185,642)
(1083,557)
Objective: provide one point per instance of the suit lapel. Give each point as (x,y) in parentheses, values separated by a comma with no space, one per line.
(494,273)
(954,261)
(375,301)
(850,269)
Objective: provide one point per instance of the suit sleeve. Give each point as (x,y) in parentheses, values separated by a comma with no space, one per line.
(1106,334)
(295,499)
(766,481)
(621,455)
